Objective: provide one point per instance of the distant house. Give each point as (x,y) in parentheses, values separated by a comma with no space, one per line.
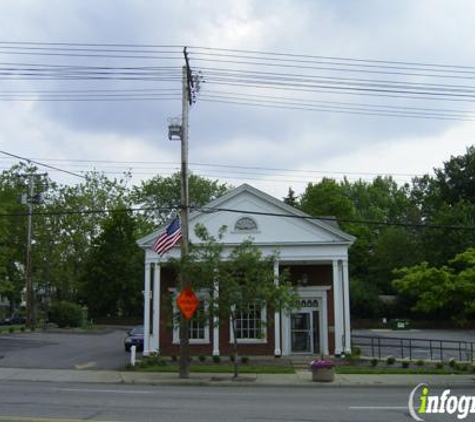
(314,251)
(4,303)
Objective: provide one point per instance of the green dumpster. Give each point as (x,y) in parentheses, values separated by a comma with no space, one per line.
(400,324)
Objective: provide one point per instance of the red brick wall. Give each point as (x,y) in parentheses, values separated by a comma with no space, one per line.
(168,280)
(318,275)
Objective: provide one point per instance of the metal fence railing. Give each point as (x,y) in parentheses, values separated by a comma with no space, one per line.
(414,348)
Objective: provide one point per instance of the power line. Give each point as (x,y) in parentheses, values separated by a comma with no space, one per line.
(247,212)
(226,166)
(239,53)
(352,59)
(264,105)
(43,164)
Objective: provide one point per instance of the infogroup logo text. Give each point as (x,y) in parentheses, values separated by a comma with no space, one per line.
(461,406)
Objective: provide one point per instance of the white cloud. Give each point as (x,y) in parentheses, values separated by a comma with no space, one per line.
(425,30)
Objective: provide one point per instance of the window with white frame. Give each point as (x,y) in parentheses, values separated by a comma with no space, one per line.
(199,323)
(250,323)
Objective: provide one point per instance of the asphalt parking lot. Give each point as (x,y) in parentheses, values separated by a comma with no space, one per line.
(62,350)
(440,344)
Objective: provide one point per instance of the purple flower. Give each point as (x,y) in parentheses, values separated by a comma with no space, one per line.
(322,363)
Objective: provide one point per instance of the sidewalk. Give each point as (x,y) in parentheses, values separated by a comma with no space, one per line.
(302,379)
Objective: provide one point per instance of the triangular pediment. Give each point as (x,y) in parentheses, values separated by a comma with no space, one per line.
(249,212)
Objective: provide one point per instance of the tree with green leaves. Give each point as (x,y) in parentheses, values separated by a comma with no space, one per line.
(445,292)
(72,220)
(238,282)
(327,198)
(112,274)
(160,196)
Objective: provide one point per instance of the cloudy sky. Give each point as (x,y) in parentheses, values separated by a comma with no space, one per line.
(292,90)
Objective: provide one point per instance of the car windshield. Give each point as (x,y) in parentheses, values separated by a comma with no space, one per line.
(137,330)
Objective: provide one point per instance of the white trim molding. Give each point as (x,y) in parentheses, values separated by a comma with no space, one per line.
(317,296)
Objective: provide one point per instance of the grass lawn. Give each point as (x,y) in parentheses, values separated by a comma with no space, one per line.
(5,329)
(365,370)
(221,369)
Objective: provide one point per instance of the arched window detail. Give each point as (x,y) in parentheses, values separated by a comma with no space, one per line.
(245,224)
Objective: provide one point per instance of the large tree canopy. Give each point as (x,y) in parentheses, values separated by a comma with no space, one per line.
(388,220)
(111,283)
(160,196)
(447,292)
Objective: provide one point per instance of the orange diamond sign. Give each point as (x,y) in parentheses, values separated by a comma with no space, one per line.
(187,302)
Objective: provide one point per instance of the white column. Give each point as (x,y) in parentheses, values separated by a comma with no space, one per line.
(155,346)
(324,325)
(338,308)
(346,296)
(216,321)
(277,348)
(286,334)
(146,311)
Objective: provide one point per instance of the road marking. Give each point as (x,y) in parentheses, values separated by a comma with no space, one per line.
(377,407)
(94,391)
(35,419)
(85,365)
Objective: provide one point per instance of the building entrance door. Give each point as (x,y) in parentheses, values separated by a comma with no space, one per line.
(301,327)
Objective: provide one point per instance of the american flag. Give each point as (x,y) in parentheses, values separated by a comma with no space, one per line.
(168,239)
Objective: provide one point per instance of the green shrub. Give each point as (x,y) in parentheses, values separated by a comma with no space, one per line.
(32,328)
(439,365)
(152,360)
(356,351)
(201,358)
(66,314)
(174,358)
(374,362)
(231,358)
(452,363)
(391,360)
(461,367)
(22,328)
(420,362)
(216,359)
(11,330)
(244,360)
(405,363)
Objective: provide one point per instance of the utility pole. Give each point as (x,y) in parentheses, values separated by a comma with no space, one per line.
(184,325)
(179,130)
(29,286)
(30,199)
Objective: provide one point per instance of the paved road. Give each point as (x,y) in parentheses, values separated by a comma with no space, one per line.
(64,350)
(70,402)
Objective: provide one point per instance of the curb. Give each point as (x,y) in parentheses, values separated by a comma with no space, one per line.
(299,380)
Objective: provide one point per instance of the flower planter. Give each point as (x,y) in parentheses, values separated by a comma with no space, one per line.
(323,374)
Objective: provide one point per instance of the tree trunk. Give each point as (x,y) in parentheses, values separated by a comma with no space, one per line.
(235,349)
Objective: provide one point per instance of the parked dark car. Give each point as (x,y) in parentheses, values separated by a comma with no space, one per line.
(13,320)
(134,338)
